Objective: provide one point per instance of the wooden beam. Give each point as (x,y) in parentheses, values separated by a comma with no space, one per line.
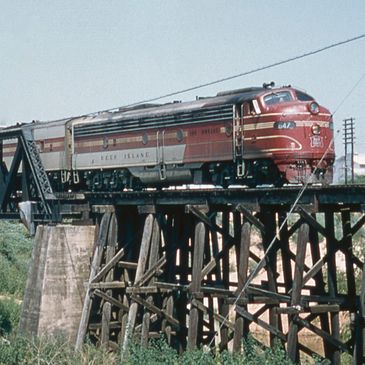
(319,287)
(358,225)
(160,312)
(295,226)
(327,337)
(154,266)
(359,345)
(319,308)
(127,265)
(111,247)
(108,285)
(198,255)
(332,284)
(221,319)
(154,270)
(108,266)
(270,239)
(111,300)
(152,289)
(303,234)
(251,218)
(142,260)
(317,226)
(95,265)
(223,307)
(260,322)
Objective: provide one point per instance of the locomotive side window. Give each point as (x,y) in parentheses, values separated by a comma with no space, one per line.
(179,135)
(278,97)
(145,138)
(303,96)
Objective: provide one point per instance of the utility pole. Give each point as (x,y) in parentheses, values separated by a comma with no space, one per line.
(348,140)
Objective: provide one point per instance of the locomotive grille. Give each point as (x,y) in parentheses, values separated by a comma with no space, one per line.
(109,126)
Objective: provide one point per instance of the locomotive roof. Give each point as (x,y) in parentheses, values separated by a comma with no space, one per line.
(149,110)
(217,108)
(141,111)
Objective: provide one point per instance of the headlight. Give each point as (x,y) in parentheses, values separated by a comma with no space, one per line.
(314,108)
(316,129)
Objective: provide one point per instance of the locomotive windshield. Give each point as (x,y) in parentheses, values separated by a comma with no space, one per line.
(278,97)
(303,96)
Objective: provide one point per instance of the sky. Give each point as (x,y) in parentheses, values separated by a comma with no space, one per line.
(67,58)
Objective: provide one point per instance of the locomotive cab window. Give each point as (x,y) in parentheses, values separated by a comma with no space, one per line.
(303,96)
(278,97)
(253,107)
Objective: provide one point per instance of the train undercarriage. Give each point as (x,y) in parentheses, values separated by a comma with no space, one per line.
(250,173)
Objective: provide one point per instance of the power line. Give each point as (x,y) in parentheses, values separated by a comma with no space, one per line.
(349,93)
(282,62)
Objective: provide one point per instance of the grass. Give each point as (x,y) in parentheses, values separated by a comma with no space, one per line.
(57,351)
(15,253)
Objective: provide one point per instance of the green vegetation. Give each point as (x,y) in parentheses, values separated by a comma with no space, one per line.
(9,315)
(20,351)
(15,253)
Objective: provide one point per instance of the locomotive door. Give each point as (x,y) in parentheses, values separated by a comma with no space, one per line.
(160,154)
(238,138)
(68,160)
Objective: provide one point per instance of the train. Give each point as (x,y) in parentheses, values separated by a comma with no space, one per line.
(252,136)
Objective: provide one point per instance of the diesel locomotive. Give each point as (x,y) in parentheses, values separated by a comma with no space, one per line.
(250,136)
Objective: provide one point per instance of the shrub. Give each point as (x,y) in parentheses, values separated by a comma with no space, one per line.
(58,351)
(15,253)
(51,351)
(9,315)
(158,352)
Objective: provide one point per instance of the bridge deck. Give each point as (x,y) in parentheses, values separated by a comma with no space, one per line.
(318,197)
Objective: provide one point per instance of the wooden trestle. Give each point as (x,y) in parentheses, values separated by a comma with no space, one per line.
(180,271)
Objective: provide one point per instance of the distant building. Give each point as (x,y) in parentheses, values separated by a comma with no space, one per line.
(339,168)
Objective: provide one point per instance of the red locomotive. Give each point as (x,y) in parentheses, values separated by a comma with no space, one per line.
(252,136)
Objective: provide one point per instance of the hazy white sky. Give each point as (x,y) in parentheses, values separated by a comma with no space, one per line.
(65,58)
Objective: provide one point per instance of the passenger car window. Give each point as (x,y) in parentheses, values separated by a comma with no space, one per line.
(303,96)
(278,97)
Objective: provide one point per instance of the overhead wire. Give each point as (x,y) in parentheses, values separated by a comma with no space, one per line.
(228,78)
(349,93)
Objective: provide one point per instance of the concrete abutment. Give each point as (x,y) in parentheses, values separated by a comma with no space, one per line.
(55,287)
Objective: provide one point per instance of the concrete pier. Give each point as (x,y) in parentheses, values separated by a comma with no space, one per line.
(55,287)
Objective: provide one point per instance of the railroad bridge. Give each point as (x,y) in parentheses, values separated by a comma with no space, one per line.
(201,266)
